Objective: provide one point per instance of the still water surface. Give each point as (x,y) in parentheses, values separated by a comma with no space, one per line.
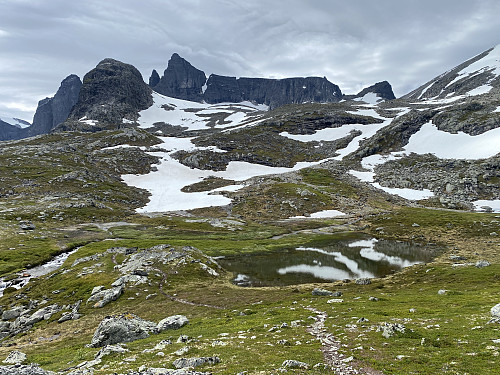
(323,261)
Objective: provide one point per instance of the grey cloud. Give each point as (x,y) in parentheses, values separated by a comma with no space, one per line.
(354,44)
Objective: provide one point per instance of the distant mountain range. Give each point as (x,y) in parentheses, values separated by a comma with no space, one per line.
(440,141)
(180,80)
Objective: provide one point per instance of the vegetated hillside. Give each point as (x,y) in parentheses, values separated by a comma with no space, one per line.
(149,202)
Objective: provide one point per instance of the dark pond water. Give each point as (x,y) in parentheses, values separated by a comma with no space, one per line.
(323,261)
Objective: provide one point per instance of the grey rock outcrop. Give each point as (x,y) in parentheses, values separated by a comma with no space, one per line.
(103,297)
(111,92)
(122,328)
(363,281)
(195,362)
(292,363)
(24,370)
(165,371)
(495,311)
(324,292)
(71,315)
(129,327)
(180,80)
(390,329)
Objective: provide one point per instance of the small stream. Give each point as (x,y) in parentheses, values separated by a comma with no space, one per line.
(24,277)
(339,259)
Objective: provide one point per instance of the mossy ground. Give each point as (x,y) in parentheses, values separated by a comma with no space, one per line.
(444,333)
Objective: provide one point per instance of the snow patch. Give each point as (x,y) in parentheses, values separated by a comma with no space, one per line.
(195,116)
(370,98)
(325,214)
(454,146)
(171,176)
(493,204)
(371,162)
(480,90)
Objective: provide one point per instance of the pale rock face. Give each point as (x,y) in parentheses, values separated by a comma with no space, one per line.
(172,322)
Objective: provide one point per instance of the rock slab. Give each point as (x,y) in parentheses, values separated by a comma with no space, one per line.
(122,328)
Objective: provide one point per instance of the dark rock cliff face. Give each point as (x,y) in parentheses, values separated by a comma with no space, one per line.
(272,92)
(183,81)
(52,111)
(49,113)
(382,89)
(222,89)
(111,92)
(9,132)
(180,80)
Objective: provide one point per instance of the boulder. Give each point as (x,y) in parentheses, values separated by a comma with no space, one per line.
(103,297)
(195,362)
(495,311)
(122,328)
(291,363)
(390,329)
(15,358)
(143,370)
(321,292)
(172,322)
(363,281)
(12,313)
(482,263)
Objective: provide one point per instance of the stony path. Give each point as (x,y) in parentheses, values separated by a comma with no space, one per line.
(330,347)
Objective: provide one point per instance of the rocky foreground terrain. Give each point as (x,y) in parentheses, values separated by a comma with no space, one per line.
(248,226)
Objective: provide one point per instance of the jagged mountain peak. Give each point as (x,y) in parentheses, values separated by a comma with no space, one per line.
(180,80)
(476,76)
(378,92)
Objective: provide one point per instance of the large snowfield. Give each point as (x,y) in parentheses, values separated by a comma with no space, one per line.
(166,182)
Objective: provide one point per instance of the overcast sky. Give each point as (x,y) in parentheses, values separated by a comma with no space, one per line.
(353,43)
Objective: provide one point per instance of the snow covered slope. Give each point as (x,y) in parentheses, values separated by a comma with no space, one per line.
(476,76)
(189,115)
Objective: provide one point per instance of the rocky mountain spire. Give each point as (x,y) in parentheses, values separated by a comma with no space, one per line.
(181,80)
(52,111)
(154,79)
